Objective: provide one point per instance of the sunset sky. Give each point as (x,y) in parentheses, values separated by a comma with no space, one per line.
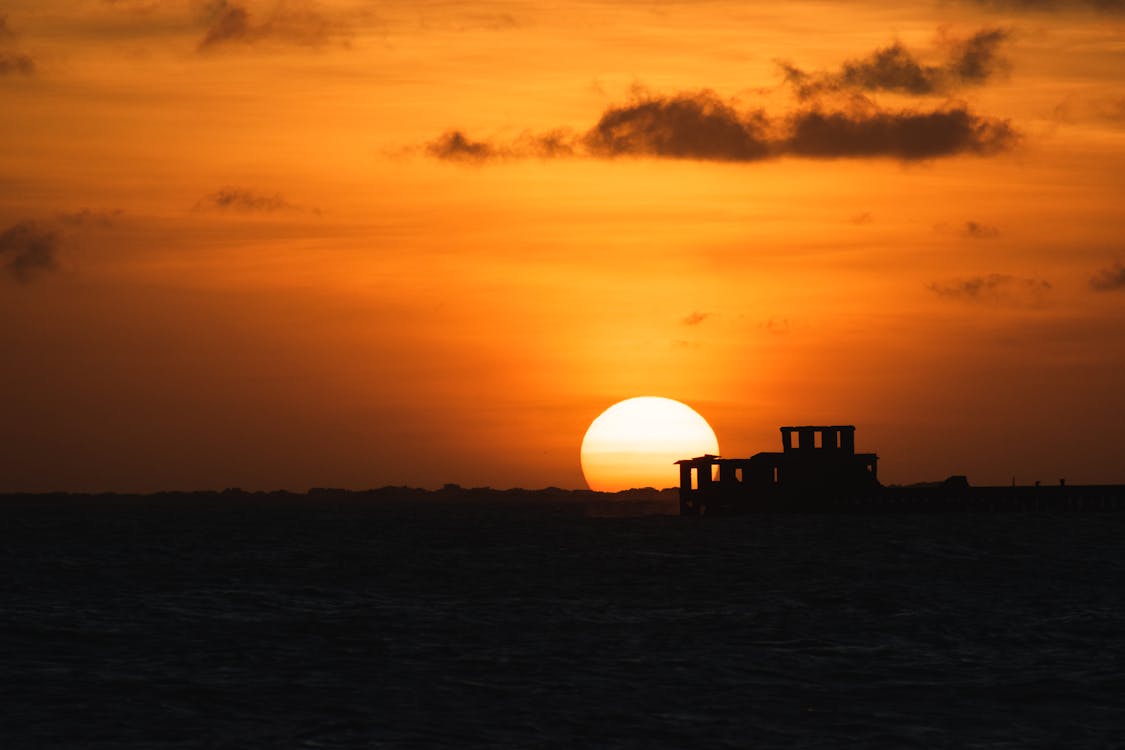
(354,244)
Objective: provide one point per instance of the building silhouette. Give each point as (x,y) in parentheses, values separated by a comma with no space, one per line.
(815,460)
(818,469)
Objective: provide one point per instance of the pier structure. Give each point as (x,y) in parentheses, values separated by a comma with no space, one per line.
(818,469)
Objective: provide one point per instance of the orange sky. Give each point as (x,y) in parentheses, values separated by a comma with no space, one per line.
(352,244)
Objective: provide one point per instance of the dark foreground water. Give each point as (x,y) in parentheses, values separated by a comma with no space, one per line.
(388,622)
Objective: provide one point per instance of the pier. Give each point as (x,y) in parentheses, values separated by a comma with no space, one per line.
(819,470)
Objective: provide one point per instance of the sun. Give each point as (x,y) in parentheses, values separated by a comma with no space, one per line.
(635,442)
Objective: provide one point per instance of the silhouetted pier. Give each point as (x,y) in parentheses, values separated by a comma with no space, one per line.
(819,470)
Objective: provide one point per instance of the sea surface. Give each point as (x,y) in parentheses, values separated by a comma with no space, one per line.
(467,621)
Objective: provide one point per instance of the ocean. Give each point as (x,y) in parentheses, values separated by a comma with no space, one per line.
(400,619)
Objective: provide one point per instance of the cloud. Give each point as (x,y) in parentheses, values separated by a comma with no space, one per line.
(994,288)
(906,135)
(685,126)
(88,217)
(1109,279)
(971,229)
(1105,6)
(702,127)
(695,318)
(894,68)
(454,145)
(245,201)
(13,63)
(552,144)
(1112,109)
(976,59)
(776,326)
(979,231)
(28,250)
(229,23)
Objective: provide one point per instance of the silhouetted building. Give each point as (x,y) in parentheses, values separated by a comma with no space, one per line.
(818,470)
(817,466)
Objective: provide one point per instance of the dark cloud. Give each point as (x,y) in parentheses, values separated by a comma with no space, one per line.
(776,326)
(995,288)
(979,231)
(1112,109)
(245,201)
(700,126)
(87,217)
(905,135)
(1106,6)
(229,23)
(15,63)
(12,62)
(687,126)
(28,250)
(976,59)
(894,68)
(1109,279)
(972,229)
(454,145)
(136,6)
(550,145)
(695,318)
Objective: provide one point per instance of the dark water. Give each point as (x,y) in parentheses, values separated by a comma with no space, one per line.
(145,624)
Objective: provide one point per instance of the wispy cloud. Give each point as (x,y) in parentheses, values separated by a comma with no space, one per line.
(89,217)
(28,250)
(231,23)
(701,126)
(6,33)
(13,62)
(1110,279)
(994,288)
(1112,109)
(1105,6)
(695,318)
(776,326)
(970,229)
(242,200)
(894,68)
(16,63)
(454,145)
(978,231)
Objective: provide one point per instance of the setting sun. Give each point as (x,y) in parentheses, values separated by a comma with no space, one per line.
(635,442)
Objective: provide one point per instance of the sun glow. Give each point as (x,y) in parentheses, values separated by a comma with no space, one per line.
(635,442)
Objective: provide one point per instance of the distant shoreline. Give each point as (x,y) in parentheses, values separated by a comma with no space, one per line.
(634,502)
